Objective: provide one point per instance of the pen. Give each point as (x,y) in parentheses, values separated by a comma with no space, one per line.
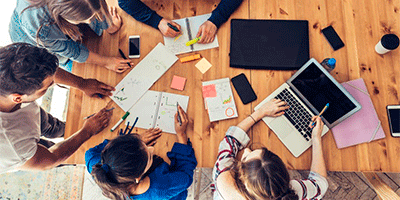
(123,56)
(322,111)
(173,27)
(179,116)
(120,121)
(95,113)
(128,130)
(194,41)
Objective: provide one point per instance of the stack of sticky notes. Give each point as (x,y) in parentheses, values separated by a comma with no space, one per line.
(178,83)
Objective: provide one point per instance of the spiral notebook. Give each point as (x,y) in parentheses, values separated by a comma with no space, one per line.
(363,126)
(157,110)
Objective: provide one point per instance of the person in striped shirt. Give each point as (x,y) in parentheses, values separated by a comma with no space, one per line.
(261,174)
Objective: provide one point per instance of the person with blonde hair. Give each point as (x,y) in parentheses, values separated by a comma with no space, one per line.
(261,174)
(53,24)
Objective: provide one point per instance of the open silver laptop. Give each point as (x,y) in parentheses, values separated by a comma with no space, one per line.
(307,92)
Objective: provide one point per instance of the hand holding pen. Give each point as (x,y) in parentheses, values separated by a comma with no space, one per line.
(169,28)
(180,127)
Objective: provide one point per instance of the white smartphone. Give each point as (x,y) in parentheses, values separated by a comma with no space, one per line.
(134,46)
(394,119)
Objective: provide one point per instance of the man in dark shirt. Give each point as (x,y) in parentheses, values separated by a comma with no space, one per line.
(141,12)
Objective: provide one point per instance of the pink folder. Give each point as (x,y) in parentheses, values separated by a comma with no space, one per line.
(364,125)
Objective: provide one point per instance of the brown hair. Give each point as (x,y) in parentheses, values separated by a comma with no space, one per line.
(123,160)
(76,10)
(265,178)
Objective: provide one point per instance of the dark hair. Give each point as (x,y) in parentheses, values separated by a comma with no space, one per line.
(79,10)
(265,178)
(123,160)
(23,67)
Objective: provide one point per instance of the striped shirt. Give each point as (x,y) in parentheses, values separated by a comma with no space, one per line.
(312,188)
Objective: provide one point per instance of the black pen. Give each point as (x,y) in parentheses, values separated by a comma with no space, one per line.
(123,56)
(179,116)
(173,27)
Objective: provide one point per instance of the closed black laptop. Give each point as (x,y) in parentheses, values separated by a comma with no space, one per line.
(269,44)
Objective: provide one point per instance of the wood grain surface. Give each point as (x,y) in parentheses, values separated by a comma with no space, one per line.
(360,24)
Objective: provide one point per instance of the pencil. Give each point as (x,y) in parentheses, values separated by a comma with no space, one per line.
(124,57)
(177,37)
(322,111)
(95,113)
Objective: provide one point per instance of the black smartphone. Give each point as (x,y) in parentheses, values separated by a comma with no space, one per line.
(333,38)
(134,46)
(243,88)
(393,112)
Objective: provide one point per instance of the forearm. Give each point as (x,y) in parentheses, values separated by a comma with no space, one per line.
(66,148)
(97,59)
(67,78)
(249,121)
(318,162)
(223,11)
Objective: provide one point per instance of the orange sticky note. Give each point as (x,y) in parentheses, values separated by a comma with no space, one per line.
(209,91)
(178,83)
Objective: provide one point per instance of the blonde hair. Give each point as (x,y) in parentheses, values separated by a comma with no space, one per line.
(73,10)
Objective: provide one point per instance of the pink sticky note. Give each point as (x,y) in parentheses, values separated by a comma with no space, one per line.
(209,91)
(178,82)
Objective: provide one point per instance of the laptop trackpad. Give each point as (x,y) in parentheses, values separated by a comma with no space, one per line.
(281,127)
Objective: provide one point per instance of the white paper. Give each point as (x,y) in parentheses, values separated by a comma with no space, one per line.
(143,76)
(157,109)
(179,46)
(223,105)
(166,112)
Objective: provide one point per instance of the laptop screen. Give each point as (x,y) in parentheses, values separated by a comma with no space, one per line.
(319,90)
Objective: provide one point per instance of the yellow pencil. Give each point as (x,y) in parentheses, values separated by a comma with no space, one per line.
(322,111)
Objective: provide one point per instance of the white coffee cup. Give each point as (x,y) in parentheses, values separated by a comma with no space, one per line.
(387,43)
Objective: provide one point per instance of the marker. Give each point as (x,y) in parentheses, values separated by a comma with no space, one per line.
(173,27)
(108,110)
(194,41)
(322,111)
(179,116)
(123,56)
(120,121)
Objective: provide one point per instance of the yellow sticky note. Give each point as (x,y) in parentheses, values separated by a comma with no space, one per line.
(203,65)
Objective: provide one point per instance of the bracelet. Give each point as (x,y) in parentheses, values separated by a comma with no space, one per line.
(253,119)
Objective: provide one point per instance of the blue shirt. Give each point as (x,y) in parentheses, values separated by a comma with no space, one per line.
(166,181)
(25,25)
(141,12)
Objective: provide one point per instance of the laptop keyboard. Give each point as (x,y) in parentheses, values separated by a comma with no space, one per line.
(296,114)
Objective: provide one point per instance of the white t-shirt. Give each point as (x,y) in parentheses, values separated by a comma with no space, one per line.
(19,136)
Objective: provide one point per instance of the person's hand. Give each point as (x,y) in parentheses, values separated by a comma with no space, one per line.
(207,31)
(181,129)
(117,64)
(150,136)
(115,19)
(168,31)
(97,122)
(317,128)
(93,87)
(273,108)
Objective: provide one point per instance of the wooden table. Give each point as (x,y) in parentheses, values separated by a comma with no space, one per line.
(360,24)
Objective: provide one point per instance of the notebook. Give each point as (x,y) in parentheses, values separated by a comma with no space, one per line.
(218,99)
(143,76)
(307,92)
(157,110)
(363,126)
(269,44)
(189,28)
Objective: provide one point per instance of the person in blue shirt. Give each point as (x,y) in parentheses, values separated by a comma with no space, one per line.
(53,24)
(141,12)
(126,167)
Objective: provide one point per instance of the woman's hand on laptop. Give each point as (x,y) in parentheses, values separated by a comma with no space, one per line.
(273,108)
(317,128)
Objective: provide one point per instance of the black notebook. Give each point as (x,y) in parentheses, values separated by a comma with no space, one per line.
(269,44)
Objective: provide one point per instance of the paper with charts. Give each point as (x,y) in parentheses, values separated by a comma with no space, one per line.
(157,109)
(143,76)
(219,100)
(189,28)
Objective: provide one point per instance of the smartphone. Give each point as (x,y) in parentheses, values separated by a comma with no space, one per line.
(393,112)
(333,38)
(243,88)
(134,46)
